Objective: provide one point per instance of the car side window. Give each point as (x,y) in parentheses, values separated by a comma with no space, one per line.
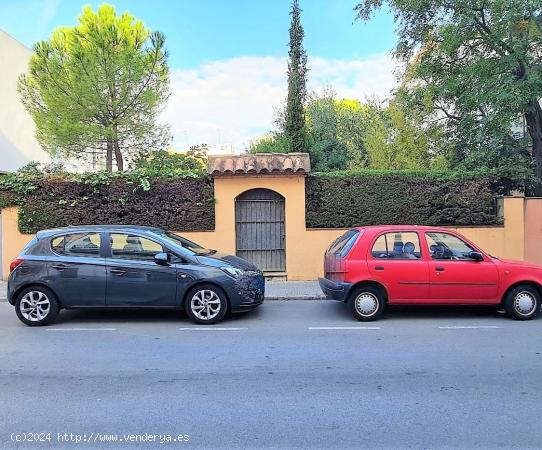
(77,244)
(448,247)
(397,245)
(130,246)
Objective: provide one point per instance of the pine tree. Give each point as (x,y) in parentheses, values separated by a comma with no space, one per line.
(294,126)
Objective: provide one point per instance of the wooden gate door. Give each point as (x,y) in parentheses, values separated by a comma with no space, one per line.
(259,228)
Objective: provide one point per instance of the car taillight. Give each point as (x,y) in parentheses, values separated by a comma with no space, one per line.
(15,263)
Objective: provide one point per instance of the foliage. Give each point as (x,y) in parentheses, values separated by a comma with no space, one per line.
(478,66)
(335,131)
(271,143)
(368,197)
(99,87)
(166,164)
(396,138)
(294,125)
(177,199)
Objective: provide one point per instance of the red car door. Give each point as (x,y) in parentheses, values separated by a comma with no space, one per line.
(455,276)
(396,260)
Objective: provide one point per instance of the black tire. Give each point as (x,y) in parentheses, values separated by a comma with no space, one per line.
(206,292)
(35,294)
(522,302)
(362,310)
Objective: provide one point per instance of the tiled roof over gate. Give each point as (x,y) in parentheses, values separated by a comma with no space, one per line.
(259,163)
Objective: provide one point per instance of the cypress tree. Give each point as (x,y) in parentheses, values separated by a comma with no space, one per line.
(297,80)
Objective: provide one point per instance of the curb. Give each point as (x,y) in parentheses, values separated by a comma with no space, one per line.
(295,297)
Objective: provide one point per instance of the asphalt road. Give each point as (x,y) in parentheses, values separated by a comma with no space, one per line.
(286,376)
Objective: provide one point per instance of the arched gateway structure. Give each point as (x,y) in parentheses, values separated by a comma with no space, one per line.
(260,200)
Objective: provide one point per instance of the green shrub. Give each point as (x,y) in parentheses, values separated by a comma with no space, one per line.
(357,198)
(181,203)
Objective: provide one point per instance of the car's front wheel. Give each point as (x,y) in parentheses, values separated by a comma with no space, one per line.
(36,306)
(206,304)
(522,302)
(367,303)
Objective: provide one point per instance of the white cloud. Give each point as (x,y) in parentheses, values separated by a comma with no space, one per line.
(233,101)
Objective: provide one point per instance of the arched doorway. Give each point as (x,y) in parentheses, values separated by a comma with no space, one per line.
(259,229)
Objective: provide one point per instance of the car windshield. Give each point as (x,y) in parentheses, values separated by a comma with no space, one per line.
(192,247)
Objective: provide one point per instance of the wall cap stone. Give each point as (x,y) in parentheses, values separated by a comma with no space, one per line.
(260,164)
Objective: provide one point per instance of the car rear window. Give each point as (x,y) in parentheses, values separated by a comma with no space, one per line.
(343,244)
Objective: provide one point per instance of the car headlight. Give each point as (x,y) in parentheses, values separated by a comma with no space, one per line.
(233,271)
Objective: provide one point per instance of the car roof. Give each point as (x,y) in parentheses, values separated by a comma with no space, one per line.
(81,228)
(378,228)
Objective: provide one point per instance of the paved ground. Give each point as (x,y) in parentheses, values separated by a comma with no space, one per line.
(288,375)
(280,290)
(300,290)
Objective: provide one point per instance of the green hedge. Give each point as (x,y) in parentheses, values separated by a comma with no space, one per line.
(347,199)
(184,204)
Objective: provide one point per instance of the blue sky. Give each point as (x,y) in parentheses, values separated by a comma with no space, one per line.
(221,50)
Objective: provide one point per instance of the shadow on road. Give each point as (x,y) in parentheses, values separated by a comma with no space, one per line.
(321,311)
(143,315)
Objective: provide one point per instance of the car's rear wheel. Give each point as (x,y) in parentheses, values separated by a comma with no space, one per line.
(522,302)
(37,306)
(367,303)
(206,304)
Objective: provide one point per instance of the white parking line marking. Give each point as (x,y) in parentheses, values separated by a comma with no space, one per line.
(81,329)
(471,327)
(344,328)
(211,329)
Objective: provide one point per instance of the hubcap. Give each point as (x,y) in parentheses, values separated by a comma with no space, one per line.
(35,306)
(524,303)
(366,304)
(205,304)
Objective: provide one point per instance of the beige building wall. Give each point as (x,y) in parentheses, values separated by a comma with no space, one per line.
(18,145)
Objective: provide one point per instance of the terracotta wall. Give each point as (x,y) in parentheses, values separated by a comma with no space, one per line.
(519,238)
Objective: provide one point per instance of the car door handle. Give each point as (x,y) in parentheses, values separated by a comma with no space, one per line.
(118,272)
(59,267)
(439,269)
(379,267)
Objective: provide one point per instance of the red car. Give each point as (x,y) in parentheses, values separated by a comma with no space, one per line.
(370,267)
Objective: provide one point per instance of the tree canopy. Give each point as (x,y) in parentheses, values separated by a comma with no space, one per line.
(99,87)
(477,65)
(294,121)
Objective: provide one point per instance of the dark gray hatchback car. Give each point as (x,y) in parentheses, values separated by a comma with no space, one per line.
(128,266)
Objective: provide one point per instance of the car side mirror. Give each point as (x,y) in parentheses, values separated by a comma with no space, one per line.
(477,256)
(162,259)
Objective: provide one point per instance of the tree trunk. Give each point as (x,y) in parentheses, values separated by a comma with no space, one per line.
(109,156)
(118,156)
(533,117)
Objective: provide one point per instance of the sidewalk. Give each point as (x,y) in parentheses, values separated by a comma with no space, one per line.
(293,290)
(274,290)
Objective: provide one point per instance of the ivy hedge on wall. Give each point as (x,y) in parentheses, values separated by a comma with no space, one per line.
(185,202)
(358,198)
(179,203)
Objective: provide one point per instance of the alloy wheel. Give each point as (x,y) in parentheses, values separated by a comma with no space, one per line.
(35,306)
(205,304)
